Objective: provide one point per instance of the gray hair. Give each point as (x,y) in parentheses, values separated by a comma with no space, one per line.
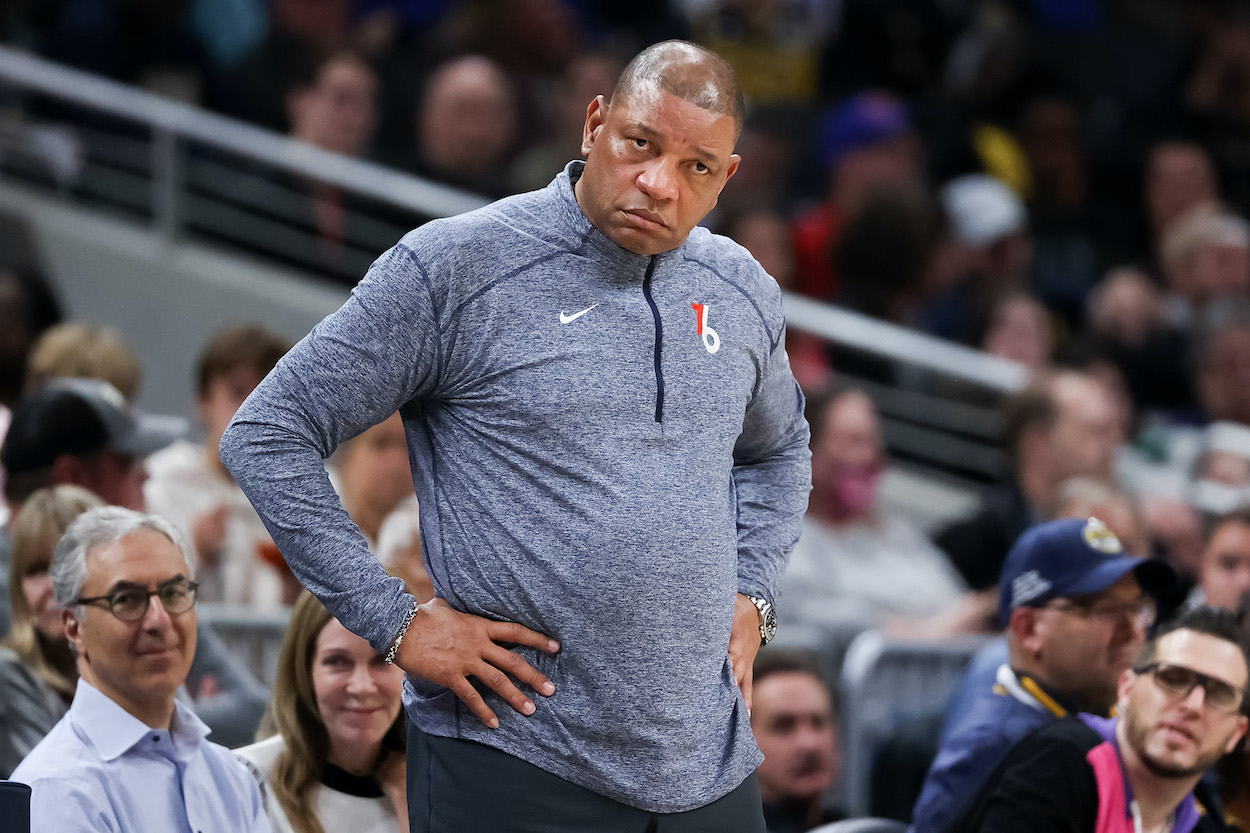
(95,528)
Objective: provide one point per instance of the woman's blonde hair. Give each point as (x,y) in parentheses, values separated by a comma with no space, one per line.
(34,531)
(293,713)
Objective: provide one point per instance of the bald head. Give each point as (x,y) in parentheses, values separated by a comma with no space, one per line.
(689,72)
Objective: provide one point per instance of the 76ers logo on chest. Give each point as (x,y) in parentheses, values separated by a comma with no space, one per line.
(711,339)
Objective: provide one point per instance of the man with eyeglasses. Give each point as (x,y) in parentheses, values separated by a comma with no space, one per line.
(1076,608)
(1181,708)
(127,756)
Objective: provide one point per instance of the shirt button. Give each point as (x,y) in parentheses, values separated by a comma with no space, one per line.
(155,738)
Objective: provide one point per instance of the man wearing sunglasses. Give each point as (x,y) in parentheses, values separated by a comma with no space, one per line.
(127,756)
(1076,607)
(1181,707)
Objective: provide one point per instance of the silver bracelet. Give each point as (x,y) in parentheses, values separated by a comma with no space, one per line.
(403,629)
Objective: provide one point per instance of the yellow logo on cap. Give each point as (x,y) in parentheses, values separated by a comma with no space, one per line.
(1100,538)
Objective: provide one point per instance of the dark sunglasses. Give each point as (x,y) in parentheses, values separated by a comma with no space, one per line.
(1179,681)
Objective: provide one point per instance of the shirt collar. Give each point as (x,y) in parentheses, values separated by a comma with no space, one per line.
(113,731)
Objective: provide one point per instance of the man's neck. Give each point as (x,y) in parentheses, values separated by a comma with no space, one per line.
(1157,796)
(155,714)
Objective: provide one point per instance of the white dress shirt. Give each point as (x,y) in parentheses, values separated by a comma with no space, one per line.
(102,769)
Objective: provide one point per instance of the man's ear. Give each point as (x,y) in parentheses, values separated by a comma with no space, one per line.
(734,162)
(1023,626)
(73,630)
(1242,722)
(1124,688)
(596,113)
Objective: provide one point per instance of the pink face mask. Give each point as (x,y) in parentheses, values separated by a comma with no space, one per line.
(855,490)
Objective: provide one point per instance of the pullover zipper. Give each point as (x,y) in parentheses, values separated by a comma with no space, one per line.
(659,341)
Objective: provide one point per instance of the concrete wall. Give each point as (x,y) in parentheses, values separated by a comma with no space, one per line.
(167,298)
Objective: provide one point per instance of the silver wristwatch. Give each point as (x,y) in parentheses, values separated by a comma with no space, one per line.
(768,619)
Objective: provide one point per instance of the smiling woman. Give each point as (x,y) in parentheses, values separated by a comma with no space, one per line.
(336,757)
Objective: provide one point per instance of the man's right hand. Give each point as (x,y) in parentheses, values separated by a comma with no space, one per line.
(447,647)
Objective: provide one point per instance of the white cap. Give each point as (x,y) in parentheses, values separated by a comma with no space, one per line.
(982,209)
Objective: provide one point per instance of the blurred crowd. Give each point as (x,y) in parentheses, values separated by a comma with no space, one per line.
(1061,183)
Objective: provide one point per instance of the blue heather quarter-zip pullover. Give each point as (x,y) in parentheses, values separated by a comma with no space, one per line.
(607,448)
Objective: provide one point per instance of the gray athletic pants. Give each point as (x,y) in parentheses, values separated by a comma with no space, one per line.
(458,786)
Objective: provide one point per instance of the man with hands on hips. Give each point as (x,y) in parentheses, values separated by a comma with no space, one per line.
(610,454)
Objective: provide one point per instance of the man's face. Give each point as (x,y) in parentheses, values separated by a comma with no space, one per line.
(1086,432)
(1083,644)
(339,111)
(139,665)
(1225,572)
(1179,737)
(792,719)
(655,166)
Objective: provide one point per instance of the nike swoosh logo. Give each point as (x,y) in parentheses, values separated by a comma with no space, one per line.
(565,318)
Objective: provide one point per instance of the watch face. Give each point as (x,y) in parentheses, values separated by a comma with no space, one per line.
(769,628)
(768,620)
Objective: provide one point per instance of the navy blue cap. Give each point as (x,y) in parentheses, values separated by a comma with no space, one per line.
(1071,557)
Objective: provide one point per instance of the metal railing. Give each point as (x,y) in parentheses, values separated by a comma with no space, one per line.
(193,175)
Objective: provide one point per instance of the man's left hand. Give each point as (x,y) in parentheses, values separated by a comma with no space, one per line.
(744,644)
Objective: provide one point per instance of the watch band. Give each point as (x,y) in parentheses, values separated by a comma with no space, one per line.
(768,618)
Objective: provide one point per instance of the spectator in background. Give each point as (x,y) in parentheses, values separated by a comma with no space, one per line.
(1076,607)
(1126,322)
(81,350)
(856,566)
(1144,768)
(127,755)
(336,757)
(1019,329)
(1062,425)
(989,254)
(188,485)
(466,124)
(334,107)
(38,672)
(795,724)
(1221,345)
(1220,480)
(1080,498)
(299,32)
(79,432)
(1205,256)
(1079,229)
(866,145)
(372,475)
(882,254)
(1179,177)
(1225,574)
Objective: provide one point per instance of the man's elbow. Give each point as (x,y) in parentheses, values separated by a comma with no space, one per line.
(233,441)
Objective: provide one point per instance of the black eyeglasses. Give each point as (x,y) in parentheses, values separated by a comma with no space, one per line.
(130,602)
(1179,681)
